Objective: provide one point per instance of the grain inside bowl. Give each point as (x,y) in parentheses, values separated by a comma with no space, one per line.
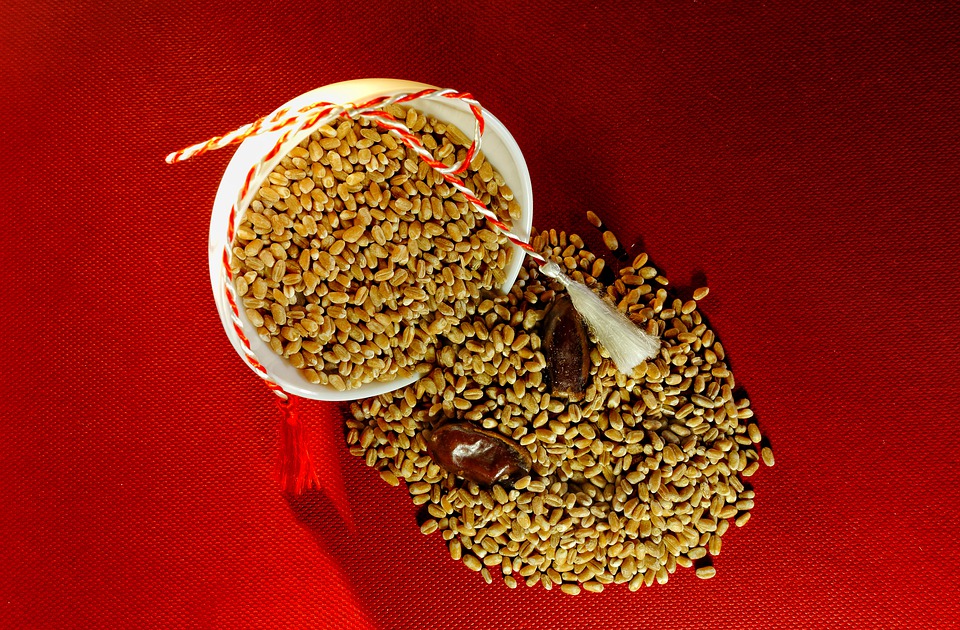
(355,256)
(628,480)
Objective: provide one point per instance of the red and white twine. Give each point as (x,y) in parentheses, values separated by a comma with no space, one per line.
(298,123)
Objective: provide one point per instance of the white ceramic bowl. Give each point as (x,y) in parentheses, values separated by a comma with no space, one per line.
(498,146)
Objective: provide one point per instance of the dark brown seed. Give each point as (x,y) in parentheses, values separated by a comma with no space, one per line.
(478,455)
(567,349)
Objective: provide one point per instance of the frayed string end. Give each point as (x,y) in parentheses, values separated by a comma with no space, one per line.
(624,341)
(295,466)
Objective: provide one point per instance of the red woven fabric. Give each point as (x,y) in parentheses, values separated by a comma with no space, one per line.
(801,158)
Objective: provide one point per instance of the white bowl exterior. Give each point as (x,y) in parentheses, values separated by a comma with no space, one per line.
(498,146)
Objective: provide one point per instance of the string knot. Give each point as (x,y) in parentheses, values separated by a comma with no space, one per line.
(553,270)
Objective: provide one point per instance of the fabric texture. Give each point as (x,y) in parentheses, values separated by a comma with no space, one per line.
(801,159)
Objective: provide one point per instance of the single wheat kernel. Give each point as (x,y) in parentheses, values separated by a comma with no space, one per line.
(419,487)
(707,572)
(473,563)
(611,241)
(388,476)
(767,454)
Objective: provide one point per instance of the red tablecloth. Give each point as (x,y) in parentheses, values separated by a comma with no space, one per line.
(802,158)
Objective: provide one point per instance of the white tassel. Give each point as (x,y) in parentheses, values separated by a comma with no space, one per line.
(624,341)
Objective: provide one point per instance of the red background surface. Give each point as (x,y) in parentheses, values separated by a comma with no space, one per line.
(803,160)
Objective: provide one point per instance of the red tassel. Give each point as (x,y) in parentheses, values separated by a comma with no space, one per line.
(295,466)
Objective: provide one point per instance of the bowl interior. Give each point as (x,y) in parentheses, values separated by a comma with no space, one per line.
(498,146)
